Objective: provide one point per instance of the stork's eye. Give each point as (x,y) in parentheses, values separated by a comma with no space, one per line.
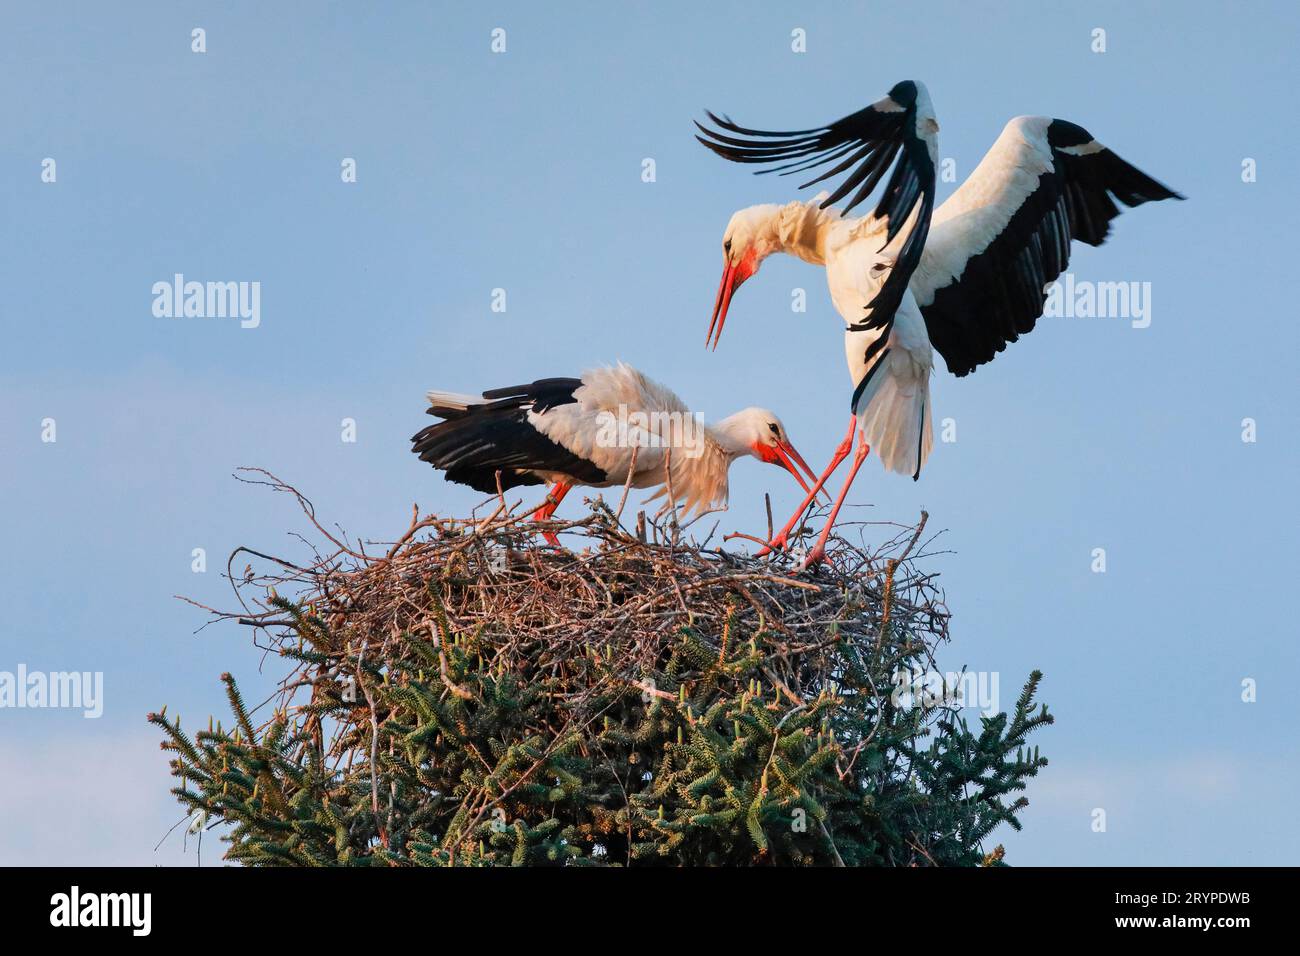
(726,246)
(772,426)
(879,268)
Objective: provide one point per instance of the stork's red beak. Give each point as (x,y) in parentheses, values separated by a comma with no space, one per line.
(784,454)
(733,274)
(788,454)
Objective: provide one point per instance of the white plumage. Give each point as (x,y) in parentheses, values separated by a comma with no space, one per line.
(583,431)
(893,408)
(908,280)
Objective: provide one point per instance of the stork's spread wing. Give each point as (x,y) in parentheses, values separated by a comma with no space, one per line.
(1005,235)
(901,126)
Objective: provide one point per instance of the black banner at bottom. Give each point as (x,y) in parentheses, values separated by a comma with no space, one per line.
(341,906)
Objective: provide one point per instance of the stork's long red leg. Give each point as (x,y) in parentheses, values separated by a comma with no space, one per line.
(780,540)
(818,553)
(553,499)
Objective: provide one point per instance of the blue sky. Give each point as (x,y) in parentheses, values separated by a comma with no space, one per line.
(522,171)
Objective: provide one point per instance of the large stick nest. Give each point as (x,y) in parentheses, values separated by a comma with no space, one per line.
(538,611)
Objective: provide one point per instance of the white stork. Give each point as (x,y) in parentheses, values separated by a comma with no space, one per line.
(965,279)
(582,431)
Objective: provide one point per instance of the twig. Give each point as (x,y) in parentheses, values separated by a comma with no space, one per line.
(627,485)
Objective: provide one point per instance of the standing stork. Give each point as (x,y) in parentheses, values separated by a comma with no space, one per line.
(965,279)
(583,431)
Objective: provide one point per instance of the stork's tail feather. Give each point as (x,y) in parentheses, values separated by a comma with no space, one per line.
(894,411)
(481,441)
(451,404)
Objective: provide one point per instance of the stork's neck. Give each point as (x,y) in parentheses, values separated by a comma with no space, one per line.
(699,478)
(798,229)
(729,435)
